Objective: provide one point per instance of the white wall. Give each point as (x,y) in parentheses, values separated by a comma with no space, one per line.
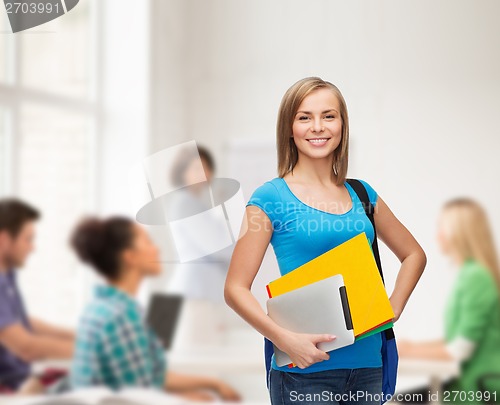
(421,80)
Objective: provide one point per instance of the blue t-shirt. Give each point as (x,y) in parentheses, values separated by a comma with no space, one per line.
(301,233)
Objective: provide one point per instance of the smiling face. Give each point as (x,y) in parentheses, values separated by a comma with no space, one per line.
(317,125)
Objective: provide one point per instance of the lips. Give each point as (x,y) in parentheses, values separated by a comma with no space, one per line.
(317,141)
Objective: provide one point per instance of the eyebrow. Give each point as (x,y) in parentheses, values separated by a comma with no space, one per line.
(309,112)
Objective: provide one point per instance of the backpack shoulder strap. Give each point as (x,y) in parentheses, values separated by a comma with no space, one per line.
(360,190)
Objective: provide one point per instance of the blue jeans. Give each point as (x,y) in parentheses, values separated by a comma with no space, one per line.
(360,386)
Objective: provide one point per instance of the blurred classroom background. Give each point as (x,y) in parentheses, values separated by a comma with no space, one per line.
(88,95)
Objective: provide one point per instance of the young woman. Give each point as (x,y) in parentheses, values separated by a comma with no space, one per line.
(114,347)
(306,211)
(472,313)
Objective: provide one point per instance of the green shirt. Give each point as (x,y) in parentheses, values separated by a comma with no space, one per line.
(473,312)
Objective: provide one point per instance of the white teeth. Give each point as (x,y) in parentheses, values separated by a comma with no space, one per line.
(318,140)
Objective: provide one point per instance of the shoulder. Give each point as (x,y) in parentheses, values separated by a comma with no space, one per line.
(267,197)
(105,316)
(372,193)
(476,285)
(475,276)
(268,191)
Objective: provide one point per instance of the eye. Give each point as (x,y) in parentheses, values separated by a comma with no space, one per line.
(303,117)
(330,116)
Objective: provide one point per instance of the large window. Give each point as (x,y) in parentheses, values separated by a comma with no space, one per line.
(49,126)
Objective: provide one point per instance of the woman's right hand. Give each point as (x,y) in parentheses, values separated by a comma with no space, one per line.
(301,347)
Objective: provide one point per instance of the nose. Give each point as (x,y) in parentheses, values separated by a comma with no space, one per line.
(316,125)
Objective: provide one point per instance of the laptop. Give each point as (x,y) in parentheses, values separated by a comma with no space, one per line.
(162,316)
(320,307)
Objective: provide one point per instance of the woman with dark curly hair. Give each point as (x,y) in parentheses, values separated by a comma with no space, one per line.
(114,346)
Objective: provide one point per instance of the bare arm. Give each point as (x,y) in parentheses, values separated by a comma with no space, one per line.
(181,383)
(411,255)
(45,329)
(245,263)
(434,350)
(30,347)
(431,350)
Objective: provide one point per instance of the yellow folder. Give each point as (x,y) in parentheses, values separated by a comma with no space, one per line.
(368,301)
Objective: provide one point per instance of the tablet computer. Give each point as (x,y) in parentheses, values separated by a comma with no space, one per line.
(162,316)
(320,307)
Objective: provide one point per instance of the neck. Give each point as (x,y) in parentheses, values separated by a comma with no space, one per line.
(3,265)
(197,189)
(314,170)
(457,259)
(129,282)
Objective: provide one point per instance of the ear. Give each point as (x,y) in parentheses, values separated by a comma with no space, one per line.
(5,241)
(4,236)
(127,257)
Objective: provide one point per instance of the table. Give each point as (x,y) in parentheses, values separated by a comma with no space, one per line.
(438,371)
(219,359)
(228,360)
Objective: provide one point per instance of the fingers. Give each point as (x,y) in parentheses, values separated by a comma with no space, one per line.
(324,337)
(319,355)
(323,355)
(313,354)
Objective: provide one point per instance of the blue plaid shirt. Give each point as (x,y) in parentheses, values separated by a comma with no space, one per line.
(114,346)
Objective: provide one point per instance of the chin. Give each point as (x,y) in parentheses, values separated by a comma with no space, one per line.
(319,154)
(17,265)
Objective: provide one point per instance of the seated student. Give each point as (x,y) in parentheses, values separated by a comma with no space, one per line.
(23,339)
(472,312)
(114,346)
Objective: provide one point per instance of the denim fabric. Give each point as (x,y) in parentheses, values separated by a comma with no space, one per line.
(360,386)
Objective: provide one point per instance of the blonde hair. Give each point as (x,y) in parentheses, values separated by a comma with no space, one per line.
(467,229)
(286,148)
